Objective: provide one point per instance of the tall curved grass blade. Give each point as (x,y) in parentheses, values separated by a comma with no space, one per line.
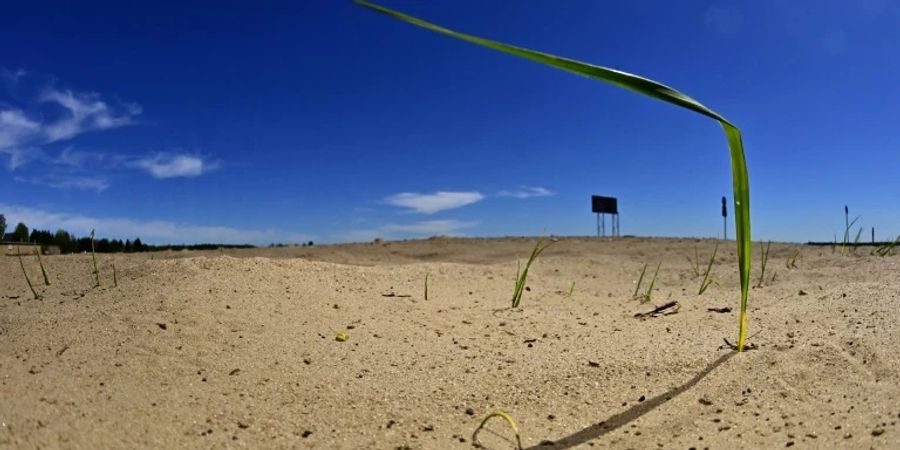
(504,416)
(624,80)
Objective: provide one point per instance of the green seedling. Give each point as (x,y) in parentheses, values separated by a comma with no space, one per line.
(846,240)
(523,275)
(856,241)
(571,290)
(658,91)
(646,296)
(791,261)
(695,263)
(707,279)
(640,280)
(426,286)
(27,280)
(888,249)
(94,259)
(43,271)
(504,416)
(764,251)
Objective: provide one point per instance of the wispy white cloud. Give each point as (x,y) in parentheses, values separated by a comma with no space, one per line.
(163,165)
(527,192)
(415,229)
(23,133)
(154,231)
(85,112)
(432,203)
(98,184)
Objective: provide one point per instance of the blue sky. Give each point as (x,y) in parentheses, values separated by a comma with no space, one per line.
(295,121)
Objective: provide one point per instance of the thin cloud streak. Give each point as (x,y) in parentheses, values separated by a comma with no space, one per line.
(432,203)
(22,135)
(164,165)
(527,192)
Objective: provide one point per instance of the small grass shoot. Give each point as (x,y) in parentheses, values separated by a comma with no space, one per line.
(504,416)
(571,290)
(27,280)
(94,259)
(707,279)
(43,271)
(764,251)
(889,248)
(791,261)
(849,225)
(644,86)
(695,263)
(523,275)
(640,280)
(856,241)
(646,296)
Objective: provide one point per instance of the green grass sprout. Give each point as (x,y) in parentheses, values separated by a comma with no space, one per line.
(658,91)
(856,241)
(94,259)
(888,249)
(765,258)
(43,271)
(523,275)
(571,290)
(695,263)
(640,280)
(846,240)
(707,280)
(646,296)
(791,261)
(24,272)
(504,416)
(649,293)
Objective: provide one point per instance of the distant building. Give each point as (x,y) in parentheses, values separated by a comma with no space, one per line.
(27,248)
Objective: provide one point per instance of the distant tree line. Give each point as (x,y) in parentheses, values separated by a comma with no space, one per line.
(69,243)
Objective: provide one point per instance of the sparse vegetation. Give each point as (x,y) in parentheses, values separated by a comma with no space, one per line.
(646,296)
(889,248)
(522,276)
(94,259)
(644,86)
(791,261)
(43,271)
(707,279)
(764,254)
(27,280)
(571,290)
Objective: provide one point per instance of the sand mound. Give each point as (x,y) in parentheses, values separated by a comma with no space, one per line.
(238,349)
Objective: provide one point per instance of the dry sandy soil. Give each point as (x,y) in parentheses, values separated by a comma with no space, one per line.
(238,349)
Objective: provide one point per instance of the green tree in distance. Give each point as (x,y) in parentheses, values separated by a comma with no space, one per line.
(21,233)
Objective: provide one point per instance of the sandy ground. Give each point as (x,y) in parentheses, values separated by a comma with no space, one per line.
(237,349)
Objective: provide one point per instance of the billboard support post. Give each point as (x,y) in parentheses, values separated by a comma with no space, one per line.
(603,206)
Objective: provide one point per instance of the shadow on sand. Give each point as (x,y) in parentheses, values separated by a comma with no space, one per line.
(624,418)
